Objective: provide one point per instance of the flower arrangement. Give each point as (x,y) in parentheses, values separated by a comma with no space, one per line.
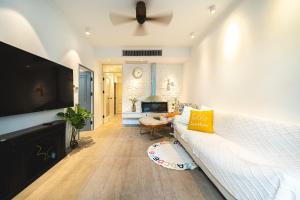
(133,101)
(175,105)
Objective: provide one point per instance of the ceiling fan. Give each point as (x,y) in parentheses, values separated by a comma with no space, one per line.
(141,17)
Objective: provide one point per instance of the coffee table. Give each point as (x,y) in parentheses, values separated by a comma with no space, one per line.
(153,124)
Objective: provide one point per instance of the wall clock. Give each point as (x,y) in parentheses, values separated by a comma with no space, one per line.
(137,72)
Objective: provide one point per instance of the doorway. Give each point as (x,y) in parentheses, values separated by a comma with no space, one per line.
(118,97)
(112,91)
(86,94)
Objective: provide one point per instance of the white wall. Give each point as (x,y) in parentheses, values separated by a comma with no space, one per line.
(173,72)
(141,88)
(40,28)
(250,63)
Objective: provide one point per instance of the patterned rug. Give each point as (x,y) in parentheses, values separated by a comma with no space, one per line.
(171,154)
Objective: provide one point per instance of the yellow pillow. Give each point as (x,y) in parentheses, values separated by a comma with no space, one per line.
(202,121)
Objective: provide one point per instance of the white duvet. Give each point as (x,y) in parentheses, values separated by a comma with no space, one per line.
(252,158)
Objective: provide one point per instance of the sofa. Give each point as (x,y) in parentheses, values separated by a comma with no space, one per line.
(247,157)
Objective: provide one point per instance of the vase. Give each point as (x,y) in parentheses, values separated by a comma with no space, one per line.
(133,108)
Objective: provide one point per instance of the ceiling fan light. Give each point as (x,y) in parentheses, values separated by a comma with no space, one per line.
(192,35)
(87,32)
(212,9)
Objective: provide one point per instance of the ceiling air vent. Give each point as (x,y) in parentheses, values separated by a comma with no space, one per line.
(142,52)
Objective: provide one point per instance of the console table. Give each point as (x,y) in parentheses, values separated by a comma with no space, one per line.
(27,154)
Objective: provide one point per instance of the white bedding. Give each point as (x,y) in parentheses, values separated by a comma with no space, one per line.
(252,158)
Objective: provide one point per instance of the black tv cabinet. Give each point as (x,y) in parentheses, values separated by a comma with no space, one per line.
(27,154)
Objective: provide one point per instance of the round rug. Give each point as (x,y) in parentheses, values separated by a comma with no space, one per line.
(171,154)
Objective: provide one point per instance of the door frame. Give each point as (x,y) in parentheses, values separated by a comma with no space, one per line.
(92,91)
(106,119)
(116,105)
(115,98)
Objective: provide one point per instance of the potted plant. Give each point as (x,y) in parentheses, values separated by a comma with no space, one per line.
(133,102)
(77,117)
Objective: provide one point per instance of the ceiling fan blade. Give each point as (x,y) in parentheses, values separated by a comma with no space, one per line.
(163,19)
(117,19)
(140,30)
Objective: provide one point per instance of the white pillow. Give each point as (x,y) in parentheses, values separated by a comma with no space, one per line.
(203,107)
(185,115)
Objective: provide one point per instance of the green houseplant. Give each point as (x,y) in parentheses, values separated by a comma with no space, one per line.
(77,118)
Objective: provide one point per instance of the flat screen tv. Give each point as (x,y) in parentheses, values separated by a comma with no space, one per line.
(29,83)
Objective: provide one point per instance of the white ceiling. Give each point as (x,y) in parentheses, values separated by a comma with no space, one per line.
(188,16)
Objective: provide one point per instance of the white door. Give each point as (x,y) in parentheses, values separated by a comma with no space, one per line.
(106,96)
(118,98)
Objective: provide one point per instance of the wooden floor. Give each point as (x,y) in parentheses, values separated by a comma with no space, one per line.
(112,163)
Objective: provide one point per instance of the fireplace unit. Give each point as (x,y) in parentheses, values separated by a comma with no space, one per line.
(155,107)
(154,103)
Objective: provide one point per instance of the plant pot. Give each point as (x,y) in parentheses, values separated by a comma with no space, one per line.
(73,141)
(133,108)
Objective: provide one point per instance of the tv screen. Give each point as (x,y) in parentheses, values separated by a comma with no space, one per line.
(29,83)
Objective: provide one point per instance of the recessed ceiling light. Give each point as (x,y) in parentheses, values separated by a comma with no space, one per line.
(192,35)
(212,9)
(87,31)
